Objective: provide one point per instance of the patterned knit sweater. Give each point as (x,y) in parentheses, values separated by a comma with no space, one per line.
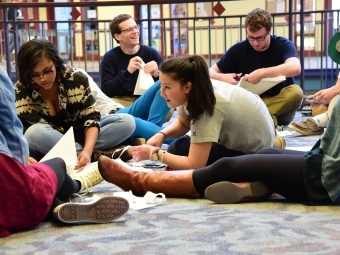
(76,104)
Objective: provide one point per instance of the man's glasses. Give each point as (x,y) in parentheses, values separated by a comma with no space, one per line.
(259,39)
(129,29)
(45,75)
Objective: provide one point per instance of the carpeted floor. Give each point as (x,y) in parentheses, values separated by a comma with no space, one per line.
(194,226)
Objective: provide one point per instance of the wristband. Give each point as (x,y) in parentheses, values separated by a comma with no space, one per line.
(162,157)
(336,94)
(162,133)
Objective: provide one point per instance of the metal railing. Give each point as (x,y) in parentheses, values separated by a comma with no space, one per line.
(209,36)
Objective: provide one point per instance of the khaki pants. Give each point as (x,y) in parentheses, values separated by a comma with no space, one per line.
(283,106)
(125,100)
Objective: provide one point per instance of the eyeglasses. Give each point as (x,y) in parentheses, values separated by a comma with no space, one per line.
(45,75)
(259,39)
(129,29)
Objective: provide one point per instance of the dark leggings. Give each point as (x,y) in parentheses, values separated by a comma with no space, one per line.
(281,171)
(66,185)
(181,147)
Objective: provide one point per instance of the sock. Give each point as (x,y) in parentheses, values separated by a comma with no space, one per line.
(321,120)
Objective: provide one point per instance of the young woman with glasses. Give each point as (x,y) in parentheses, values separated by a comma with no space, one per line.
(51,97)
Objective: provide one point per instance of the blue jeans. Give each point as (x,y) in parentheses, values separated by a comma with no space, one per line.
(150,106)
(115,128)
(12,141)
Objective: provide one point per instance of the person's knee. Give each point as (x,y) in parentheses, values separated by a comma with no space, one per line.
(128,122)
(268,151)
(37,132)
(180,146)
(295,95)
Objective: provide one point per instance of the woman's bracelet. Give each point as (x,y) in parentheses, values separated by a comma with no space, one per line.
(162,133)
(162,157)
(336,93)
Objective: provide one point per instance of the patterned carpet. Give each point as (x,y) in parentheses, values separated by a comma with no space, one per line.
(194,226)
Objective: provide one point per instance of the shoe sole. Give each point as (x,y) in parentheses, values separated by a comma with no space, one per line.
(229,193)
(301,131)
(103,210)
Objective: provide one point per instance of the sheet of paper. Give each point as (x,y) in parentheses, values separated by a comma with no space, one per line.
(144,81)
(65,149)
(300,148)
(262,86)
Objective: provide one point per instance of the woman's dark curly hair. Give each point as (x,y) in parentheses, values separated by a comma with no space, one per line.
(33,51)
(193,69)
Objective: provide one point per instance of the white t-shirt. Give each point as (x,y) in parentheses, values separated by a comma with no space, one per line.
(241,121)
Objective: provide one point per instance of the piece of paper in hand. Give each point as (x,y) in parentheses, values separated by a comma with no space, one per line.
(264,85)
(150,199)
(65,149)
(144,81)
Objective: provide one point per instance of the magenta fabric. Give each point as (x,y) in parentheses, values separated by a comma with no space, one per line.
(26,194)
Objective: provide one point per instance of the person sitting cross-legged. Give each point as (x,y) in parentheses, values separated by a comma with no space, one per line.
(315,125)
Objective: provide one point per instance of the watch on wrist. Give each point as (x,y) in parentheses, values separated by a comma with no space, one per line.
(155,154)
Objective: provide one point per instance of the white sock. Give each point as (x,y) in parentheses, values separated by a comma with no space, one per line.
(321,120)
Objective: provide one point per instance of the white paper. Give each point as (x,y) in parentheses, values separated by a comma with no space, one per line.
(150,199)
(262,86)
(300,148)
(65,149)
(144,81)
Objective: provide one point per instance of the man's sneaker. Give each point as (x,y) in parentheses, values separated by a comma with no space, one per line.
(279,142)
(231,193)
(103,210)
(88,177)
(306,127)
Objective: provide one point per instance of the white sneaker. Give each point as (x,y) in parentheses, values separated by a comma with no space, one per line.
(88,177)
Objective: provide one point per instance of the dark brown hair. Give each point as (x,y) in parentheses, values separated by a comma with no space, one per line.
(33,51)
(194,69)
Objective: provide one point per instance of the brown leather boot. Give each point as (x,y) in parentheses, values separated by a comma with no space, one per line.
(172,183)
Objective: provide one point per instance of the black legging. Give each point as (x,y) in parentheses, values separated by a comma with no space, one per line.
(181,147)
(66,185)
(282,172)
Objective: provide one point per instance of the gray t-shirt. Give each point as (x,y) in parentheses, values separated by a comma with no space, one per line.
(241,121)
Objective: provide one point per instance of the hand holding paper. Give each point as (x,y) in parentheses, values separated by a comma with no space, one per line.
(262,86)
(65,149)
(144,81)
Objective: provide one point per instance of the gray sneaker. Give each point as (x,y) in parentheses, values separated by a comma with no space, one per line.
(306,127)
(102,210)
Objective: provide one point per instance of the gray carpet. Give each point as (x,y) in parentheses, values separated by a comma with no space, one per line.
(194,226)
